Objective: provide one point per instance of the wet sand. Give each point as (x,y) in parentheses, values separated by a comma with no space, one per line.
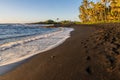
(84,56)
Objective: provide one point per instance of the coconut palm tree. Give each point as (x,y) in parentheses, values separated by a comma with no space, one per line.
(83,13)
(105,10)
(105,2)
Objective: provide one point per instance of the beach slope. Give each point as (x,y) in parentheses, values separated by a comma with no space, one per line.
(78,58)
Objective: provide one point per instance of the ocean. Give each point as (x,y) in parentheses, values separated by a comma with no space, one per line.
(21,41)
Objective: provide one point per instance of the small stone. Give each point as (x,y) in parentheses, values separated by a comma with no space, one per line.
(52,57)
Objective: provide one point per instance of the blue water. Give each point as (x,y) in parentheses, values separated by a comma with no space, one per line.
(12,32)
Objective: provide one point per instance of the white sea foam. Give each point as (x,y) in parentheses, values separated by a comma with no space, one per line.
(13,52)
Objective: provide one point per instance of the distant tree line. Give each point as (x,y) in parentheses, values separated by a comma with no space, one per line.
(101,11)
(46,22)
(64,22)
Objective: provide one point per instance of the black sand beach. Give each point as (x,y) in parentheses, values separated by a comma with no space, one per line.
(91,53)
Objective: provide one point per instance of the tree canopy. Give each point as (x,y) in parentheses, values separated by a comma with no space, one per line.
(102,11)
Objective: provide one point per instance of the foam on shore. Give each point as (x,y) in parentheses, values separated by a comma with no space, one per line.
(13,52)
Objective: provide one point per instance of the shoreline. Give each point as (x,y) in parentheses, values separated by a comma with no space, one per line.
(80,57)
(10,65)
(66,32)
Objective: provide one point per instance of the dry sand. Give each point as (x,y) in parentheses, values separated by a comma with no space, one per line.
(81,57)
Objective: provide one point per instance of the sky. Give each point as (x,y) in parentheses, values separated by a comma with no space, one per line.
(26,11)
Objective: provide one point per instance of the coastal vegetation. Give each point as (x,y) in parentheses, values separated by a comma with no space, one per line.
(46,22)
(57,23)
(100,12)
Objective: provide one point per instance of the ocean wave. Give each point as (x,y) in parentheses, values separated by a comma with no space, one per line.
(19,50)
